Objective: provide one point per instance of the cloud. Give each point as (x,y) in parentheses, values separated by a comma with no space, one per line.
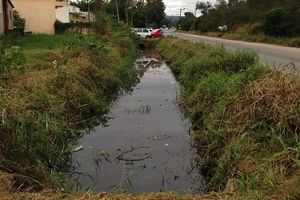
(173,6)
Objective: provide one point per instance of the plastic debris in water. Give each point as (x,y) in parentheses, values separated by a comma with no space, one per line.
(78,148)
(153,137)
(55,64)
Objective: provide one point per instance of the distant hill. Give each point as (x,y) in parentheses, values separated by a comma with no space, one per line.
(173,18)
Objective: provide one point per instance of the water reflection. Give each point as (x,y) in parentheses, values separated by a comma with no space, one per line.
(143,63)
(145,145)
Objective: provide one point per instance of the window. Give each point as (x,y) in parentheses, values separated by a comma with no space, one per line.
(11,15)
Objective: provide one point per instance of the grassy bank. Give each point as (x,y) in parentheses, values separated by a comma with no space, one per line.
(51,88)
(246,119)
(260,38)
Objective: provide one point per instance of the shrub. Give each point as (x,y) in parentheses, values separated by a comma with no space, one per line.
(11,59)
(278,22)
(65,27)
(19,22)
(295,42)
(102,23)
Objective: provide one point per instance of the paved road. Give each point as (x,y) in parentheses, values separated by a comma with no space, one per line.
(270,54)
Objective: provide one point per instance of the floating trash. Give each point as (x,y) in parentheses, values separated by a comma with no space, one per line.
(78,148)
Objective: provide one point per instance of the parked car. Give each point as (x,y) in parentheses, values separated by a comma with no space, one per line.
(168,32)
(157,33)
(143,32)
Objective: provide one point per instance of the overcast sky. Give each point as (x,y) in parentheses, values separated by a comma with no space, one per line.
(173,6)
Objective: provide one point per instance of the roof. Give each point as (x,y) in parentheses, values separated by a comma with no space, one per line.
(9,1)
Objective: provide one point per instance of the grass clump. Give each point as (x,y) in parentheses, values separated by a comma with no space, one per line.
(245,119)
(68,84)
(254,37)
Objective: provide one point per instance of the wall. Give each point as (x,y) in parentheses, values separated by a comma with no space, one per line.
(10,13)
(39,14)
(74,9)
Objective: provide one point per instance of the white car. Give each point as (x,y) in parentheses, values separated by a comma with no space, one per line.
(168,32)
(143,32)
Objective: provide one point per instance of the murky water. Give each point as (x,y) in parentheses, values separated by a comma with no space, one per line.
(145,146)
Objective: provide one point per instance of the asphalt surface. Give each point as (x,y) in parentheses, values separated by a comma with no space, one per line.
(273,55)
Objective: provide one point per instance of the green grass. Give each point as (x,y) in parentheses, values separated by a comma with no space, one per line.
(245,118)
(42,41)
(255,37)
(68,84)
(261,38)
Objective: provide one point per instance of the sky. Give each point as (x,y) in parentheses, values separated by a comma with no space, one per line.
(173,6)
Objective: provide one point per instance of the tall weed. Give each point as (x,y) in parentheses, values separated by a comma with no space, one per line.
(69,84)
(245,118)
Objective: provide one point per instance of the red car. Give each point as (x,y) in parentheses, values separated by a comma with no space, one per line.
(157,33)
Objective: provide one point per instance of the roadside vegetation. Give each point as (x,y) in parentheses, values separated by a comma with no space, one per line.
(246,119)
(52,87)
(274,22)
(246,36)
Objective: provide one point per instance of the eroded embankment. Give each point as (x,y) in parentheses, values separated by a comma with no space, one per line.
(51,87)
(246,119)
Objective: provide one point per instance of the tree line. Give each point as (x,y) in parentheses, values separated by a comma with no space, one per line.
(271,17)
(137,13)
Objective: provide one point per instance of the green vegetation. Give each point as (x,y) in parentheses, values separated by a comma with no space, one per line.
(19,22)
(246,119)
(141,14)
(243,34)
(276,17)
(67,84)
(270,21)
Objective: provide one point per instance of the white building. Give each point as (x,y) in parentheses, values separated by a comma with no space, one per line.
(67,14)
(62,14)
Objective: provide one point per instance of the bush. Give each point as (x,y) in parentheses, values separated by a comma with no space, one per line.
(11,59)
(19,22)
(66,27)
(102,24)
(278,22)
(295,42)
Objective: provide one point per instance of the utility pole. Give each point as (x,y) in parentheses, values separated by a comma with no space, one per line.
(99,4)
(89,11)
(131,18)
(194,27)
(127,15)
(146,22)
(180,10)
(118,14)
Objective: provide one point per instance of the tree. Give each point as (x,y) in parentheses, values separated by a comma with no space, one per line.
(203,7)
(155,12)
(188,21)
(134,12)
(85,5)
(278,22)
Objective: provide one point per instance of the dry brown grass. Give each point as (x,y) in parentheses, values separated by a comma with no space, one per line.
(274,97)
(7,192)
